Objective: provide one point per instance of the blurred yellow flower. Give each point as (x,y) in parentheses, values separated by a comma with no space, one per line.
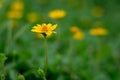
(74,29)
(98,31)
(97,11)
(57,14)
(77,33)
(32,17)
(17,5)
(45,29)
(14,14)
(16,9)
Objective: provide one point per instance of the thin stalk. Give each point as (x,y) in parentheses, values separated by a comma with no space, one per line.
(46,56)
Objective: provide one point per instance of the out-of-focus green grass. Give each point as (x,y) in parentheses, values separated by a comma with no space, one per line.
(92,58)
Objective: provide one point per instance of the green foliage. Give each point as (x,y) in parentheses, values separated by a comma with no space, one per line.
(41,73)
(92,58)
(20,77)
(3,58)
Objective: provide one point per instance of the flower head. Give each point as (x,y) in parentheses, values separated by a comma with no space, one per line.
(57,14)
(77,33)
(74,29)
(14,14)
(78,36)
(45,29)
(17,5)
(98,31)
(16,10)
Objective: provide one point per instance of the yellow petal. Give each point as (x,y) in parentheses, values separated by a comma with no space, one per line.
(35,27)
(49,25)
(38,25)
(44,24)
(49,33)
(53,27)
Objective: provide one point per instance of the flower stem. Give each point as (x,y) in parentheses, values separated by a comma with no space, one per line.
(46,56)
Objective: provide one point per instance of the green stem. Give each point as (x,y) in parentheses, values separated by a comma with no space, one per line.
(46,56)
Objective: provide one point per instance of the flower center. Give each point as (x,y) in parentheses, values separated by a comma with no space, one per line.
(45,29)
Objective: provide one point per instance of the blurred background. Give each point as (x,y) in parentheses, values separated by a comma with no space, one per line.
(85,47)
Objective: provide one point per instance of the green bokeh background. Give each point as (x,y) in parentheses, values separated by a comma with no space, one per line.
(93,58)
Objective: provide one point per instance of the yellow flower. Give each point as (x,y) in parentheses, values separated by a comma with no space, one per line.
(98,31)
(77,33)
(14,14)
(97,11)
(74,29)
(57,14)
(45,29)
(17,5)
(78,36)
(32,17)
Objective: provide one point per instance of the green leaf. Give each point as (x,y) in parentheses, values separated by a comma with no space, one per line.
(20,77)
(3,58)
(41,73)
